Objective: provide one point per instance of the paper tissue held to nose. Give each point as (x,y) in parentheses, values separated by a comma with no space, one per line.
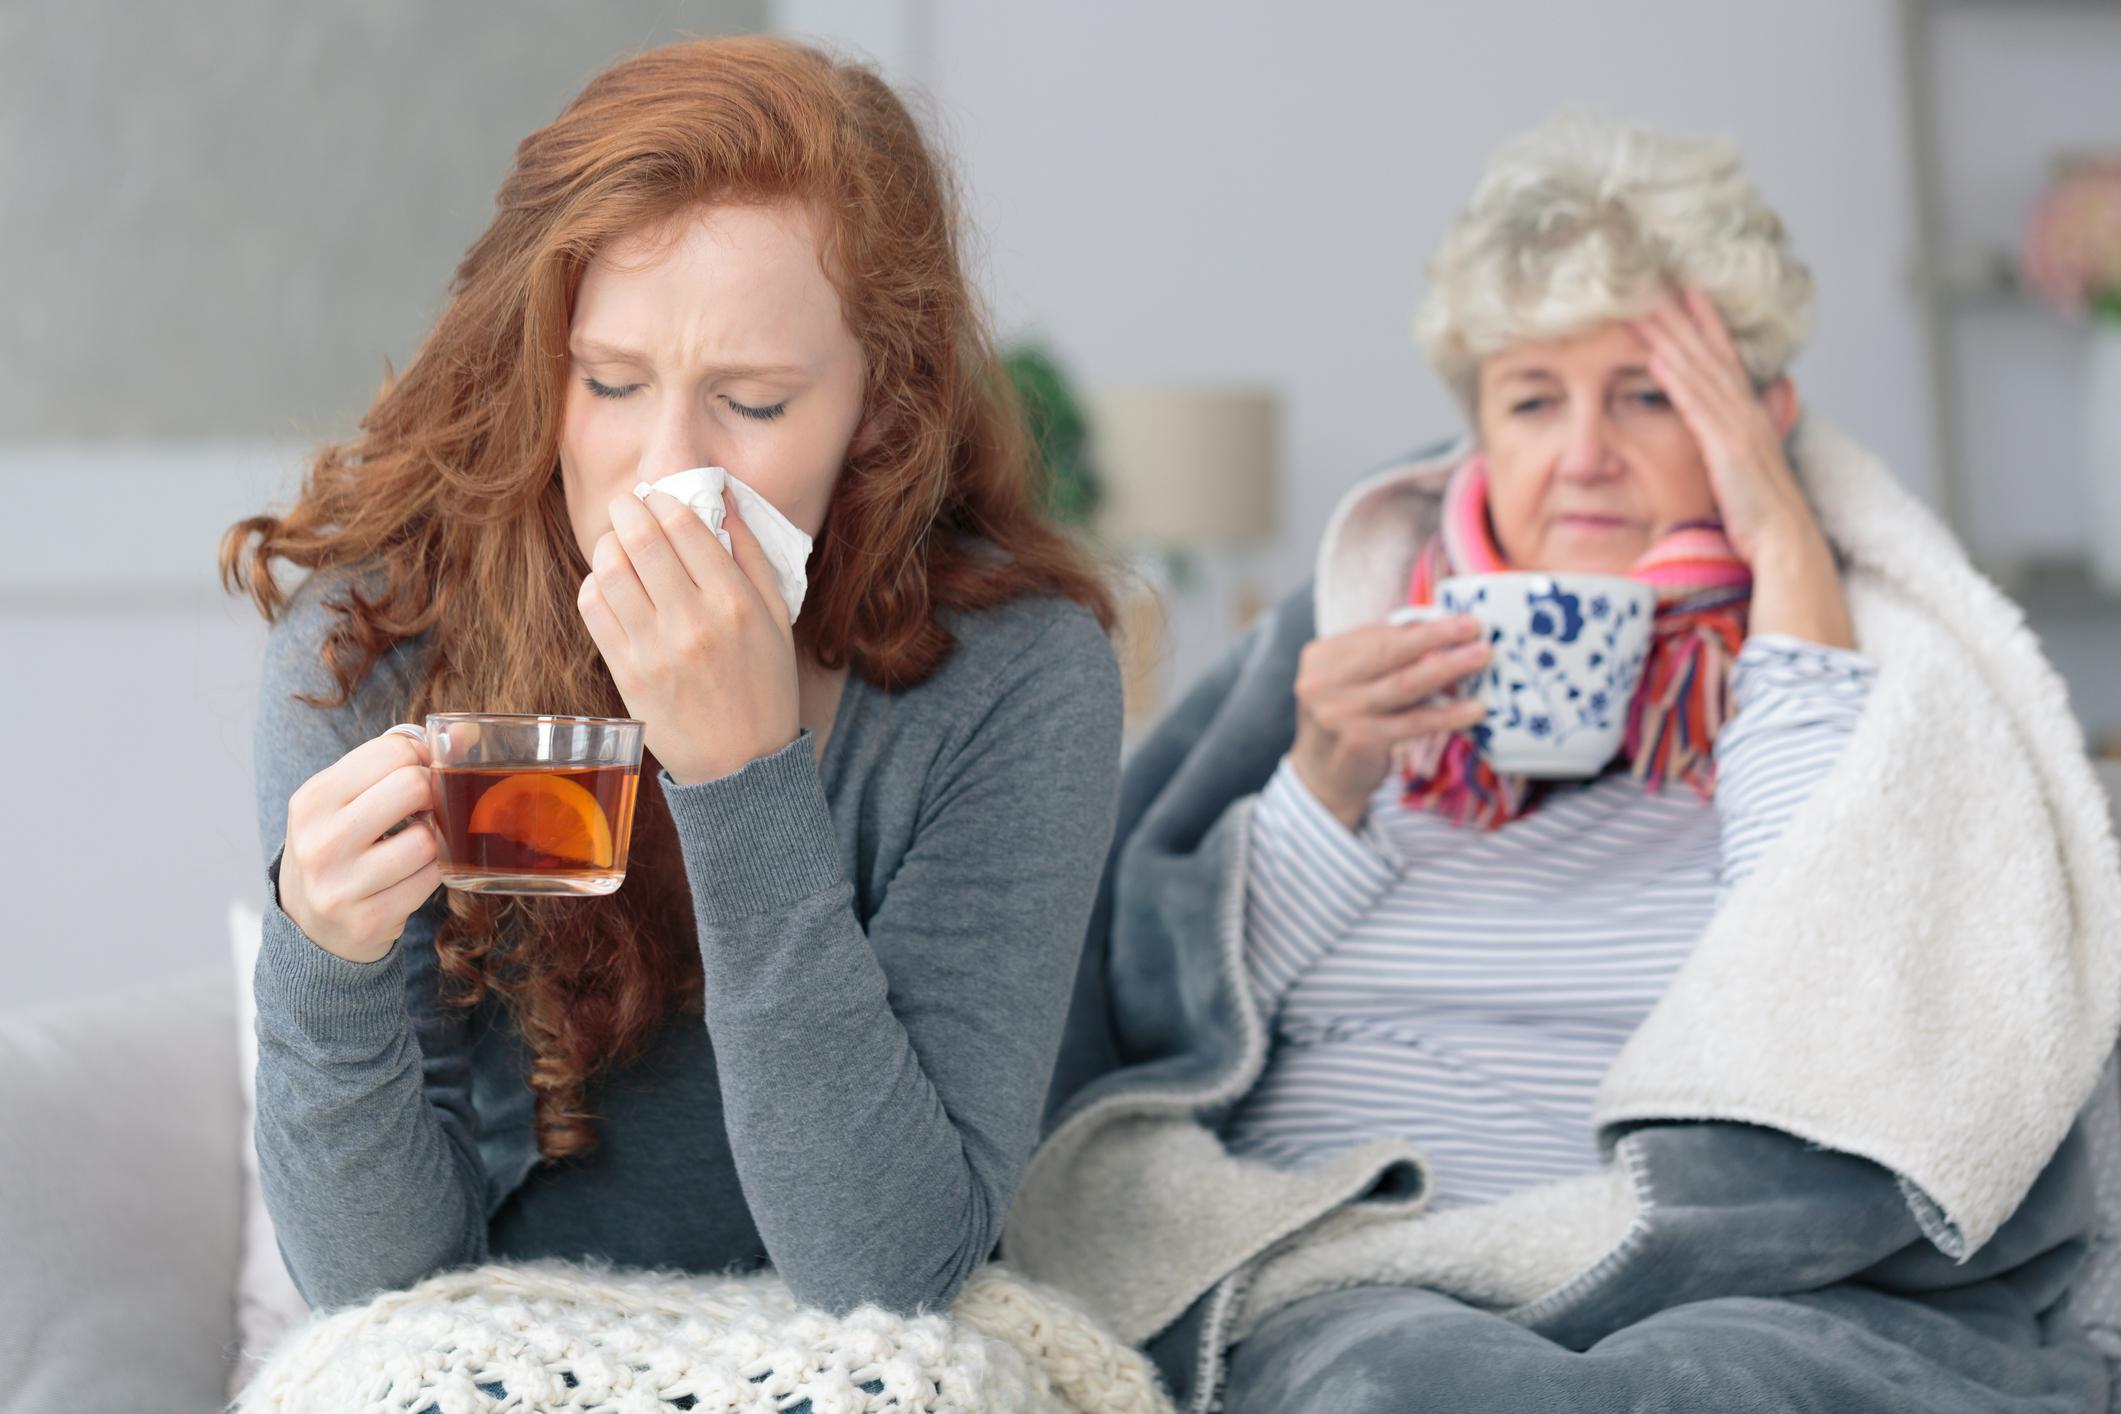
(787,548)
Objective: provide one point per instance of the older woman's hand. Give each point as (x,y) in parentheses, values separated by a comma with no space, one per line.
(1796,587)
(1360,693)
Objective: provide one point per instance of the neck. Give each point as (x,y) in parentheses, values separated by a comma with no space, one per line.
(817,702)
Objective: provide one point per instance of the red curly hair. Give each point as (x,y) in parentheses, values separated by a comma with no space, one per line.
(449,503)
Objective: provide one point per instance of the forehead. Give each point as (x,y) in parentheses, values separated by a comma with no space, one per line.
(749,267)
(1601,352)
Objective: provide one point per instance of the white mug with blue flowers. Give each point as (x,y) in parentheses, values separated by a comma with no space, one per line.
(1567,652)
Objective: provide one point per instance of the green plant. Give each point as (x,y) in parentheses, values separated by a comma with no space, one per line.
(1064,480)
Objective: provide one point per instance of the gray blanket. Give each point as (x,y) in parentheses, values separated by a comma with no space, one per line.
(1842,1137)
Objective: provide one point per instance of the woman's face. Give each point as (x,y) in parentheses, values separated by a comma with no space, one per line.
(715,341)
(1588,461)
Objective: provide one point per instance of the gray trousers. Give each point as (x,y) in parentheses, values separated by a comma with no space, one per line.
(1848,1349)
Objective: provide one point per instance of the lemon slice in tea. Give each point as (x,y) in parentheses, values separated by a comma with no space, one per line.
(547,813)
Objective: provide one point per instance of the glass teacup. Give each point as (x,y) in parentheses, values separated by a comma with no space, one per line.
(532,804)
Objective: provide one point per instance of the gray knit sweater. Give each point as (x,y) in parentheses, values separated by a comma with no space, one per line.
(889,939)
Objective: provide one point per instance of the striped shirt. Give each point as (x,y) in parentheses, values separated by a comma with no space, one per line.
(1468,989)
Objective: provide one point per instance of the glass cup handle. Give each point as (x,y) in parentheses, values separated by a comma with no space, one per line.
(410,730)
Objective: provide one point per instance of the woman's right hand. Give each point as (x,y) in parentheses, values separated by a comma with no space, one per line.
(347,884)
(1360,693)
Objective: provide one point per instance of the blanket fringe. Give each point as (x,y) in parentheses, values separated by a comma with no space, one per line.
(560,1338)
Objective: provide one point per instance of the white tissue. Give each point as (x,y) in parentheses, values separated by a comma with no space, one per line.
(787,549)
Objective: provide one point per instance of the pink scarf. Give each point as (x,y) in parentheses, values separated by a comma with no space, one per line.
(1703,592)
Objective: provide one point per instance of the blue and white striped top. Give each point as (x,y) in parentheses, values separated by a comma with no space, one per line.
(1468,989)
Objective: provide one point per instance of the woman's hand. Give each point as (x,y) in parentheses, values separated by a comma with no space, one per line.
(697,638)
(347,883)
(1796,587)
(1360,693)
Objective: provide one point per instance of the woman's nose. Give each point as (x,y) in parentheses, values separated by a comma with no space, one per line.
(1588,454)
(679,439)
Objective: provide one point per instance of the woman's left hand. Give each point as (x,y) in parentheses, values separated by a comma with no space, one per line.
(1796,586)
(696,637)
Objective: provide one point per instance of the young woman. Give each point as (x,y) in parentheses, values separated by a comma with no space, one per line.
(814,1027)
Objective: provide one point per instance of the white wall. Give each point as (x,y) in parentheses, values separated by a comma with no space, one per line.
(129,682)
(222,216)
(130,823)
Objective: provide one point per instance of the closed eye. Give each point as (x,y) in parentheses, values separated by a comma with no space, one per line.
(1525,407)
(605,390)
(766,414)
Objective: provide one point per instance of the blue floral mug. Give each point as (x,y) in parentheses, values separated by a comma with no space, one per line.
(1567,652)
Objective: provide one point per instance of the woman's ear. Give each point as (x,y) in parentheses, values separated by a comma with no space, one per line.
(1781,400)
(871,432)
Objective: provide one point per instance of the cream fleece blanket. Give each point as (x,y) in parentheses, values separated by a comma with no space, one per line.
(1924,971)
(560,1337)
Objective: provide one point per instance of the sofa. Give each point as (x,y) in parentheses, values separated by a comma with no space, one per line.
(122,1201)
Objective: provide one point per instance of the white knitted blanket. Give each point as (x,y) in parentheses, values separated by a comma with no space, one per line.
(555,1336)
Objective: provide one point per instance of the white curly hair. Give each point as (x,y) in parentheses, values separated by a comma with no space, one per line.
(1585,220)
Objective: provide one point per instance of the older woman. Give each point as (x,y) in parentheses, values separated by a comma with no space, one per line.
(1741,1076)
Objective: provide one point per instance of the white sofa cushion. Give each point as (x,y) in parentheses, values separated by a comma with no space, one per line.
(119,1201)
(267,1304)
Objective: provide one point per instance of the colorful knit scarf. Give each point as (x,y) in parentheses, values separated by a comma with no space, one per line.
(1703,592)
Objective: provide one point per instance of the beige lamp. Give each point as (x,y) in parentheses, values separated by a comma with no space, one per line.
(1186,466)
(1182,467)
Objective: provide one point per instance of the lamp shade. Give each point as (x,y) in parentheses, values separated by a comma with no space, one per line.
(1186,465)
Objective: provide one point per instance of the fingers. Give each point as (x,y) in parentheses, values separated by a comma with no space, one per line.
(365,882)
(326,837)
(403,899)
(1361,693)
(1428,719)
(619,589)
(342,872)
(1419,681)
(751,558)
(697,552)
(1706,321)
(636,565)
(1692,354)
(332,788)
(1373,682)
(605,630)
(660,559)
(1364,654)
(357,912)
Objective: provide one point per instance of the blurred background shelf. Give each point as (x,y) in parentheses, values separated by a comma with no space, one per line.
(1997,91)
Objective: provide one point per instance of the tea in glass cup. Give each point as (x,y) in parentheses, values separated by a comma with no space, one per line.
(532,804)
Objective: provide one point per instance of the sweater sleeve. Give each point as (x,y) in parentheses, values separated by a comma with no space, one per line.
(881,1090)
(1310,879)
(366,1136)
(1798,703)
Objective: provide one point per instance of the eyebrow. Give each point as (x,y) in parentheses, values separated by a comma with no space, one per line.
(597,351)
(1632,370)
